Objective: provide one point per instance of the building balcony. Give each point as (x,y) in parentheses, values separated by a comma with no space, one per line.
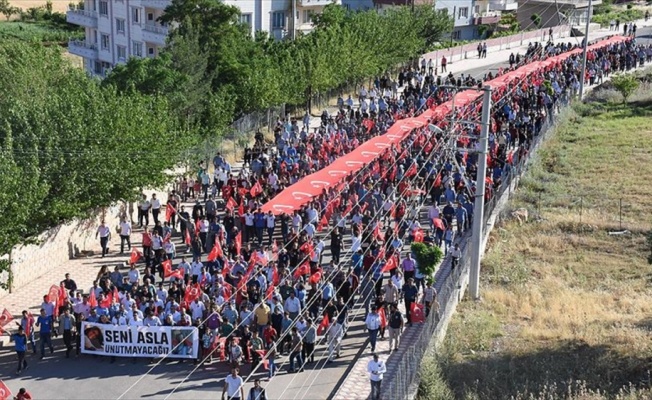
(487,19)
(82,18)
(503,5)
(155,34)
(156,4)
(82,49)
(315,3)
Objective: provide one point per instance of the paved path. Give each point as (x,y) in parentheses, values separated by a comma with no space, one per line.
(58,378)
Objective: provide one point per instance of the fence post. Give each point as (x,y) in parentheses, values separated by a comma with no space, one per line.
(620,212)
(581,207)
(539,205)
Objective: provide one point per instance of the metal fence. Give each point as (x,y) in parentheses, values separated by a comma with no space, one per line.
(450,284)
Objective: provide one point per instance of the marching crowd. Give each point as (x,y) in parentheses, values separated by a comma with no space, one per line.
(255,284)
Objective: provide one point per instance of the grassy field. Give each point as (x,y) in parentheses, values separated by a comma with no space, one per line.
(567,307)
(41,31)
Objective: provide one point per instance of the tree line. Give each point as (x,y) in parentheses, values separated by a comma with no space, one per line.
(71,145)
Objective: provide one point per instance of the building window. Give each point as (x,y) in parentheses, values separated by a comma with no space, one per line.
(307,16)
(135,15)
(137,49)
(104,8)
(245,19)
(464,12)
(456,35)
(150,17)
(98,67)
(122,53)
(278,20)
(105,42)
(120,25)
(150,51)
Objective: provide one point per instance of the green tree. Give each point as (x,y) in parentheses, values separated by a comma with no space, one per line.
(626,84)
(70,145)
(536,20)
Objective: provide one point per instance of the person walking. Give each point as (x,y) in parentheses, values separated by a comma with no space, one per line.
(395,326)
(21,348)
(44,323)
(125,235)
(233,386)
(334,335)
(295,351)
(410,293)
(104,232)
(257,392)
(309,338)
(373,326)
(67,324)
(156,208)
(376,368)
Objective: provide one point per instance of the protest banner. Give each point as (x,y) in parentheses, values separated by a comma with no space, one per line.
(140,341)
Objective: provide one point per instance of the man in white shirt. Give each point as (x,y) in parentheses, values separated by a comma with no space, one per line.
(376,369)
(125,235)
(233,386)
(143,212)
(296,222)
(372,323)
(310,229)
(156,208)
(134,275)
(195,269)
(104,232)
(293,306)
(197,308)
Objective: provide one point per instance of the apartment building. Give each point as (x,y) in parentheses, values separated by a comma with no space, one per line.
(119,29)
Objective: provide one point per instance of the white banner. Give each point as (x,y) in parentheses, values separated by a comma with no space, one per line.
(140,341)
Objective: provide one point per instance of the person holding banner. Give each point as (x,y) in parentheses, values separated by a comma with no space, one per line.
(27,323)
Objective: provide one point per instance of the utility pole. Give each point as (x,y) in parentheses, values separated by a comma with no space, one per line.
(586,45)
(454,19)
(294,19)
(478,210)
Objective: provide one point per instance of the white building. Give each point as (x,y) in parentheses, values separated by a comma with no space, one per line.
(119,29)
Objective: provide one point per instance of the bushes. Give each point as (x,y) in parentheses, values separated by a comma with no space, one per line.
(427,258)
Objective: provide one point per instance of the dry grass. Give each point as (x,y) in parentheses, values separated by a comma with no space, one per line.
(57,5)
(564,301)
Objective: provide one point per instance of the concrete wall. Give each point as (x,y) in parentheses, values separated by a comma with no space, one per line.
(65,242)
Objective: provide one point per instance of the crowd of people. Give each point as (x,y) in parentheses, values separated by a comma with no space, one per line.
(255,284)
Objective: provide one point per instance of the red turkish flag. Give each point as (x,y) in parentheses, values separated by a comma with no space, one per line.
(303,269)
(241,209)
(322,223)
(417,313)
(411,171)
(53,294)
(215,252)
(228,291)
(256,189)
(135,256)
(238,243)
(383,317)
(177,273)
(418,236)
(167,237)
(29,324)
(167,268)
(5,393)
(5,317)
(390,264)
(315,278)
(192,292)
(92,300)
(439,224)
(262,353)
(377,234)
(231,204)
(226,270)
(437,180)
(275,277)
(270,292)
(116,294)
(323,325)
(188,237)
(106,303)
(169,212)
(197,227)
